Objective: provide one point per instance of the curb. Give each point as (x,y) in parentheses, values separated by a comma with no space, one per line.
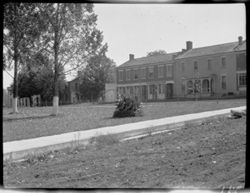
(16,150)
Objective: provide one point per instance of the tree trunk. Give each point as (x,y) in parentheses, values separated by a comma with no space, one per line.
(55,88)
(31,101)
(15,85)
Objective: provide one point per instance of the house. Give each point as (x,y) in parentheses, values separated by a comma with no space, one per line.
(216,70)
(74,90)
(211,71)
(147,78)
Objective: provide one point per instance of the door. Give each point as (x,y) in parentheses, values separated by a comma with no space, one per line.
(154,92)
(169,90)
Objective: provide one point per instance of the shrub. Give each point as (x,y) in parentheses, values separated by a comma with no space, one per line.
(127,107)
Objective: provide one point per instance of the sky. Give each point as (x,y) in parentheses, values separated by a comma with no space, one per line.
(140,28)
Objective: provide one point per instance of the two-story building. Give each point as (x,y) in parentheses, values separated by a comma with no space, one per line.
(216,70)
(147,78)
(211,71)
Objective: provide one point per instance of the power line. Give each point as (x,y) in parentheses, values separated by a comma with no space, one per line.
(8,73)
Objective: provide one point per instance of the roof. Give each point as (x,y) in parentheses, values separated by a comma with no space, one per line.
(241,47)
(215,49)
(149,60)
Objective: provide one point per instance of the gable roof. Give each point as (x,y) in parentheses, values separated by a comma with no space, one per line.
(241,47)
(215,49)
(149,60)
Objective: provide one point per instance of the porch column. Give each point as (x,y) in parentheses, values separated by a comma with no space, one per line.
(201,89)
(210,86)
(193,81)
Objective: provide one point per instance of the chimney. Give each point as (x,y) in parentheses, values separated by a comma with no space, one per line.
(240,40)
(189,45)
(131,57)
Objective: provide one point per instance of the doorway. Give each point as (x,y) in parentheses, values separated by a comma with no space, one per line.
(169,90)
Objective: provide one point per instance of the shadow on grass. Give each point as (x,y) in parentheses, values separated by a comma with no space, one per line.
(31,117)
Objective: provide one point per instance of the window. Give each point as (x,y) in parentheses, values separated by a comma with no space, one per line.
(242,79)
(209,67)
(151,89)
(183,87)
(190,87)
(151,72)
(128,74)
(131,90)
(195,65)
(169,70)
(223,82)
(160,71)
(143,73)
(127,90)
(76,86)
(136,74)
(205,86)
(161,87)
(223,62)
(241,61)
(120,75)
(183,67)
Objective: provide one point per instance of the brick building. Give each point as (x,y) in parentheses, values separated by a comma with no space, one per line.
(147,78)
(216,70)
(210,71)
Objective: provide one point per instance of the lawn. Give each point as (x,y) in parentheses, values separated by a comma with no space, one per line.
(37,122)
(210,155)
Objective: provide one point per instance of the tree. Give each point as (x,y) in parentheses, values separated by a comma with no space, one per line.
(21,28)
(36,78)
(99,70)
(71,38)
(156,52)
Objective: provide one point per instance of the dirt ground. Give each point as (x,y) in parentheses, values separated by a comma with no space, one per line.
(210,155)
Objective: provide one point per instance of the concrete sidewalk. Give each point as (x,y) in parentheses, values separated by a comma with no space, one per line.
(21,148)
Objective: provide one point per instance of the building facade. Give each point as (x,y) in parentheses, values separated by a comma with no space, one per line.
(212,71)
(147,78)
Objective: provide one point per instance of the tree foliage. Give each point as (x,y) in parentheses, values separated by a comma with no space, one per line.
(21,28)
(72,36)
(156,52)
(63,34)
(36,77)
(99,70)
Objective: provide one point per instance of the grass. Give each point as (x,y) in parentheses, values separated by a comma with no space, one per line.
(211,155)
(104,140)
(36,122)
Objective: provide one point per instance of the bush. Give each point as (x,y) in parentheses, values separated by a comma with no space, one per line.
(127,107)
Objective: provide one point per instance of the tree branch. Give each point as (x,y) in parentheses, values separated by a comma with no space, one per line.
(65,73)
(9,73)
(9,50)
